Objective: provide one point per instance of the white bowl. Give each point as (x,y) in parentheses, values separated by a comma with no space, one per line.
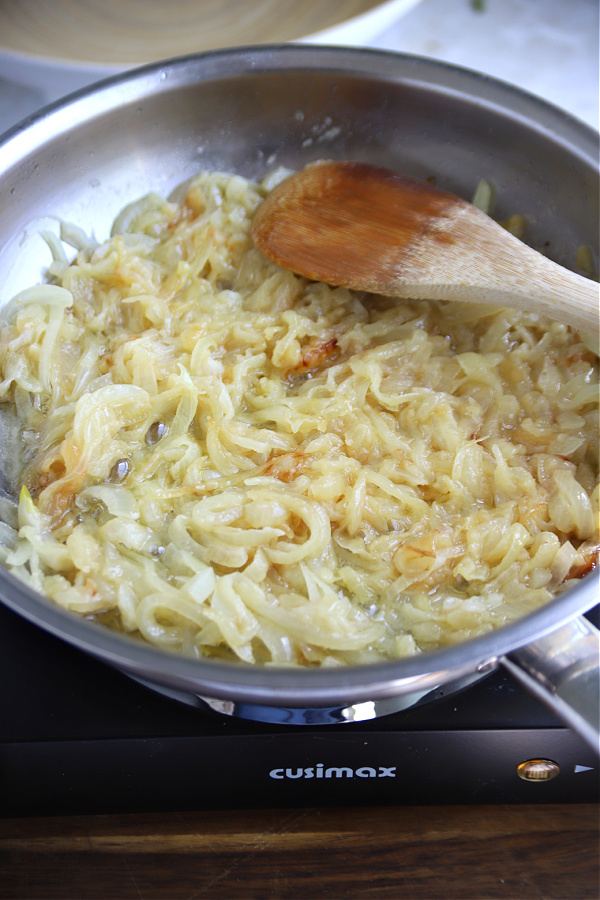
(58,46)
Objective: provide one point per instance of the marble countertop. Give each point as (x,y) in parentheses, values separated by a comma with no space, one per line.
(547,47)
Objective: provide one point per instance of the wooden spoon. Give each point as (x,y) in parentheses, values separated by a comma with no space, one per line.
(363,227)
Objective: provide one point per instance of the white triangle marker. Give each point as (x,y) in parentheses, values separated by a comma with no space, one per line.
(583,769)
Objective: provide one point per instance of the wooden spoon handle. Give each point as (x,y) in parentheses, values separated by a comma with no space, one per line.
(495,267)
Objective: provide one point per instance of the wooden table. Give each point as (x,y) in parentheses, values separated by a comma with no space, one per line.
(414,852)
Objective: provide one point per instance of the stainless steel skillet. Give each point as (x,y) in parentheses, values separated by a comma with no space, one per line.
(249,110)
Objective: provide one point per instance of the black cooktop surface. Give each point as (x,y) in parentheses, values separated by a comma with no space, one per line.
(78,736)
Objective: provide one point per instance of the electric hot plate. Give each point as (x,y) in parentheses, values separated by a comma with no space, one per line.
(77,737)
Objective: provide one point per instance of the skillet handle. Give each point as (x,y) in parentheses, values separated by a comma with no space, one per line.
(562,669)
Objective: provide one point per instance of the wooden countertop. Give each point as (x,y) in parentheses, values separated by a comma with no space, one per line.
(541,851)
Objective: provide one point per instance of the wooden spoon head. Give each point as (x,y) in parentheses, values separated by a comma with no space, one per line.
(370,229)
(352,224)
